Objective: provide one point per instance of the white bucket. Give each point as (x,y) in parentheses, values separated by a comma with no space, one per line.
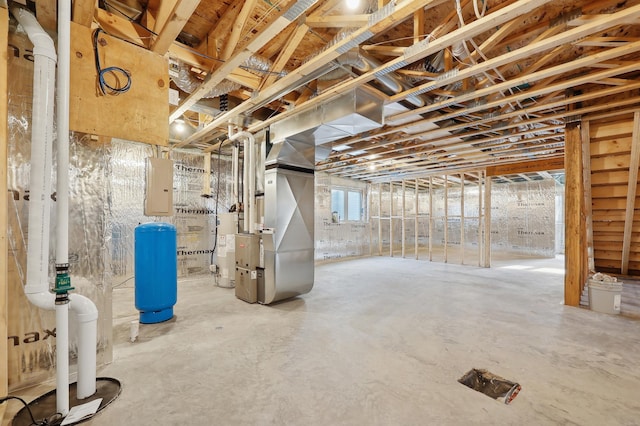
(605,297)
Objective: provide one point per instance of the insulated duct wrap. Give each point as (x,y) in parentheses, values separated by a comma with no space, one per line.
(187,82)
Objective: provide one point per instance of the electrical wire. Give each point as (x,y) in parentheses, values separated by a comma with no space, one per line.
(34,422)
(215,235)
(106,88)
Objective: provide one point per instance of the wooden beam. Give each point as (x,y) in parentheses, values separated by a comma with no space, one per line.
(526,167)
(605,41)
(285,54)
(631,193)
(418,26)
(574,231)
(121,27)
(336,21)
(384,50)
(47,13)
(213,79)
(236,29)
(174,25)
(527,51)
(4,256)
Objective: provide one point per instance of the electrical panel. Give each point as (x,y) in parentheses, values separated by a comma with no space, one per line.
(159,187)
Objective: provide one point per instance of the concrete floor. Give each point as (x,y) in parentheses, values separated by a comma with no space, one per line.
(379,341)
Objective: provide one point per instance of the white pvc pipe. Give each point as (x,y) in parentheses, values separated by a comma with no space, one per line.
(86,313)
(62,106)
(62,359)
(252,183)
(37,287)
(234,172)
(248,179)
(62,201)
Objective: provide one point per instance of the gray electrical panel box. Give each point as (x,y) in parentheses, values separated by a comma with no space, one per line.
(248,251)
(158,199)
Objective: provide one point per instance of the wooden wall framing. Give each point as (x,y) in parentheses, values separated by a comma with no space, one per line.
(4,373)
(406,212)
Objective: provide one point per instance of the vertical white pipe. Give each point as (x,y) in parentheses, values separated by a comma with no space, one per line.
(62,201)
(62,359)
(246,164)
(234,172)
(253,164)
(37,287)
(86,315)
(62,175)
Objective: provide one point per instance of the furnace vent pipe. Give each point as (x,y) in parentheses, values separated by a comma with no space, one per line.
(248,178)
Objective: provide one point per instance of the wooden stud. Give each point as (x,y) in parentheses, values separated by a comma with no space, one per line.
(416,228)
(379,219)
(631,193)
(462,218)
(4,257)
(446,217)
(391,218)
(480,216)
(487,222)
(403,218)
(586,165)
(370,218)
(418,25)
(574,233)
(430,218)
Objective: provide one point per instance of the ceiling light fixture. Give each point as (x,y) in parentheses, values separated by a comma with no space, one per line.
(352,4)
(179,126)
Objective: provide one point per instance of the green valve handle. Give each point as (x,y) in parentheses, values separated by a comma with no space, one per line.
(63,283)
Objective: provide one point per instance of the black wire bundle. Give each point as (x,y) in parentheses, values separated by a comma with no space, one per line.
(43,422)
(105,87)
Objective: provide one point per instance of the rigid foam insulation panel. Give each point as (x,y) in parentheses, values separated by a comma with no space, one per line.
(342,239)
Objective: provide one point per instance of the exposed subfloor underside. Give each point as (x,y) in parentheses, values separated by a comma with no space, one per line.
(379,341)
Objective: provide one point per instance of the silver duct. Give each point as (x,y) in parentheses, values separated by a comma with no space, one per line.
(299,142)
(187,82)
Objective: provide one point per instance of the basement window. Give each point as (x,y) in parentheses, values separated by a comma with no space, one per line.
(346,204)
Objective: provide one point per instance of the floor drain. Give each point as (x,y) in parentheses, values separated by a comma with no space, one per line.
(491,385)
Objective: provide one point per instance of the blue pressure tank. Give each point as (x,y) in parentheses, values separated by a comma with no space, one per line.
(156,271)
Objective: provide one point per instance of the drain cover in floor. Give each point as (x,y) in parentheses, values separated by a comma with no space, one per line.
(491,385)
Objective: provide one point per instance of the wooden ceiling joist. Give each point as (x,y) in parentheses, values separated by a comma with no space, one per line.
(171,28)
